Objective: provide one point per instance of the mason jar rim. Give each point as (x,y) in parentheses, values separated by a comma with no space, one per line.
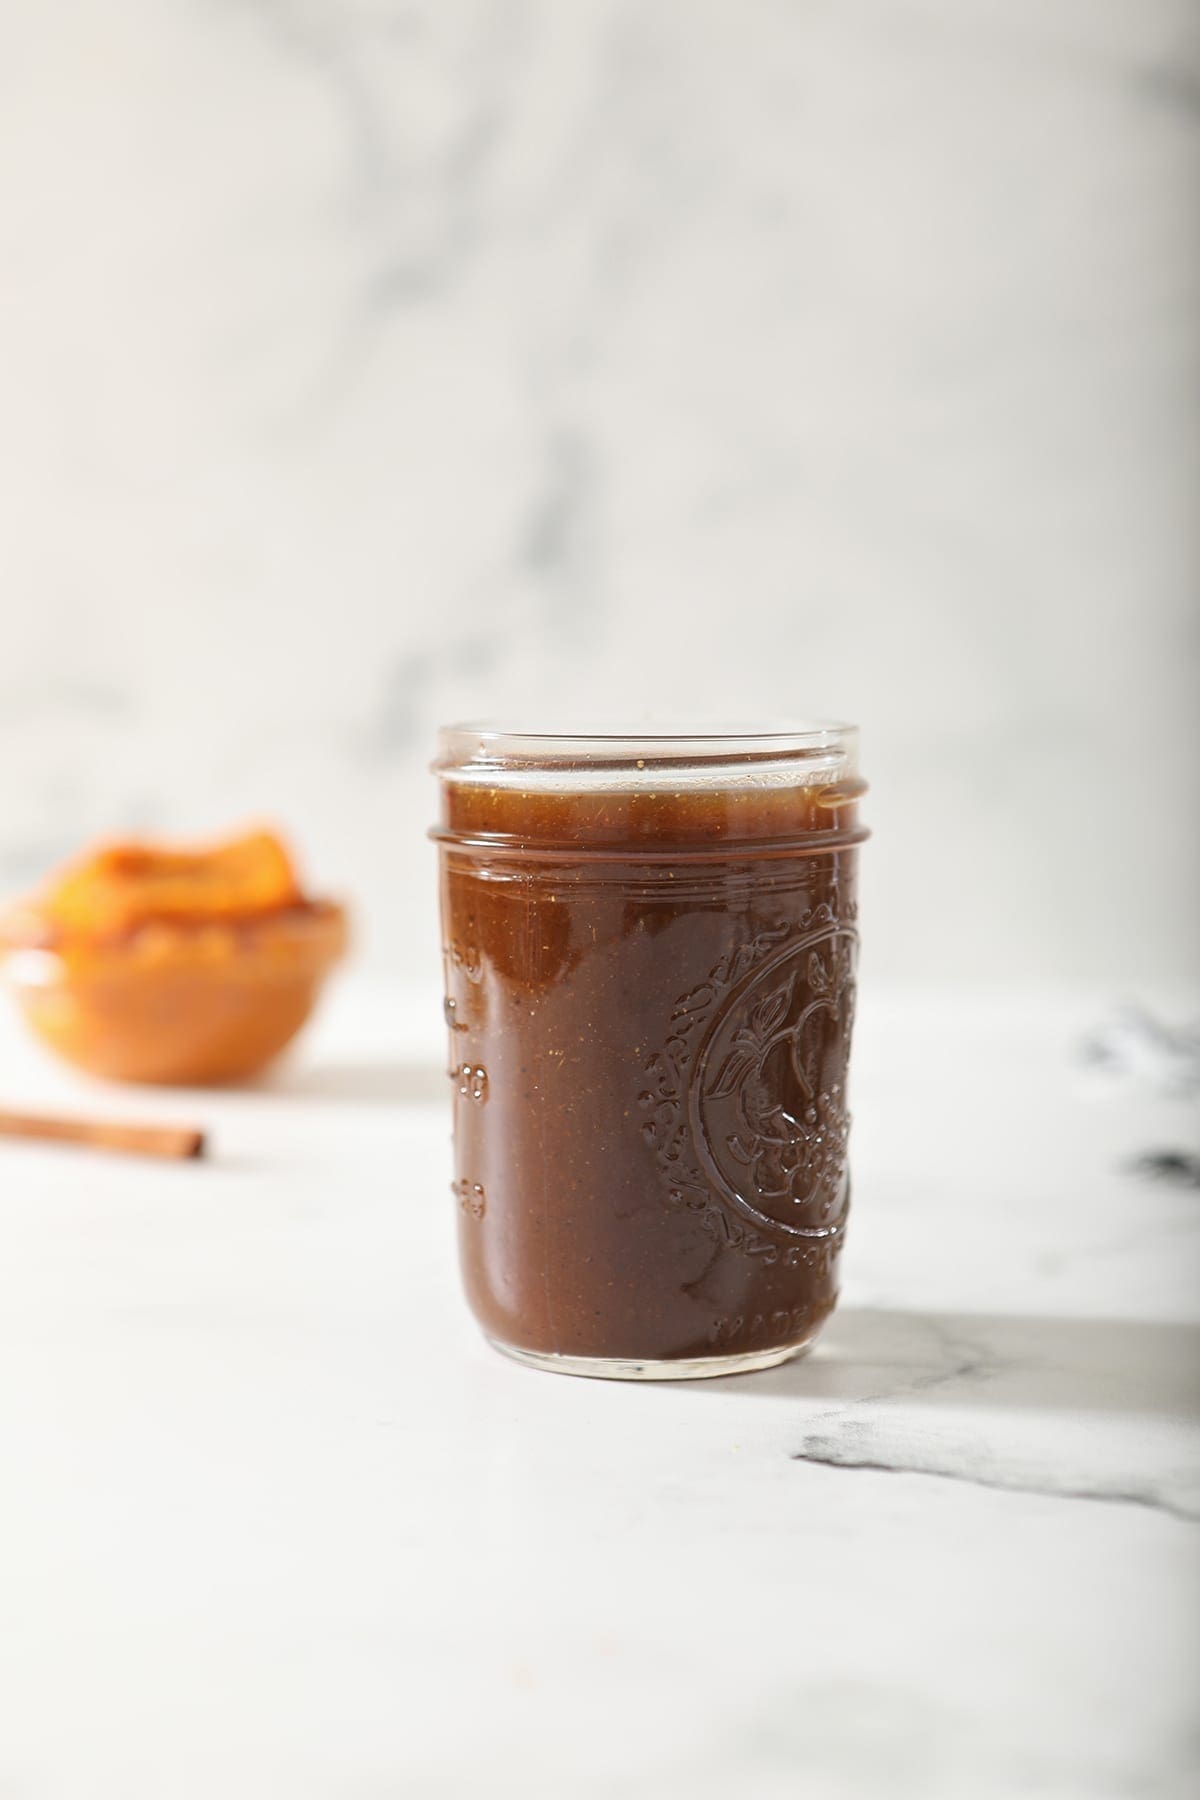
(497,754)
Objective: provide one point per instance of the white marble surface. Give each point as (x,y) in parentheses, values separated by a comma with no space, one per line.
(274,1521)
(367,363)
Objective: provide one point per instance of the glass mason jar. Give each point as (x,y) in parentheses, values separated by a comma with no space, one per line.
(649,949)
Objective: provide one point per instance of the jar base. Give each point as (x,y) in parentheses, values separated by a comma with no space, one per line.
(678,1368)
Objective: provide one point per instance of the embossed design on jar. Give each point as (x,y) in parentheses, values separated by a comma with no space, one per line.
(470,1196)
(747,1109)
(780,1325)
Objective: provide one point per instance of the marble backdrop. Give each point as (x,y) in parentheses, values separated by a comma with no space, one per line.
(370,362)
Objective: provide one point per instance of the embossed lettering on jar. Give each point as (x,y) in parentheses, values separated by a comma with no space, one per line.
(649,950)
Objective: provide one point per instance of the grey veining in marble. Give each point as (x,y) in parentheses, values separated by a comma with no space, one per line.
(284,1524)
(932,1395)
(368,362)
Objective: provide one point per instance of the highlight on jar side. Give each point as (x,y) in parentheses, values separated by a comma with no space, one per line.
(650,946)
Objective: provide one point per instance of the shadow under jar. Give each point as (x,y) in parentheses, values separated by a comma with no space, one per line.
(650,949)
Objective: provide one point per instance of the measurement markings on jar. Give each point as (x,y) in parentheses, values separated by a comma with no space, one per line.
(470,1196)
(471,1081)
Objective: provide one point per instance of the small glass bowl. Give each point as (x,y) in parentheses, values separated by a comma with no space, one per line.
(178,1004)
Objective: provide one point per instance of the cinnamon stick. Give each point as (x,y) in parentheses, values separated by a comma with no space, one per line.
(175,1143)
